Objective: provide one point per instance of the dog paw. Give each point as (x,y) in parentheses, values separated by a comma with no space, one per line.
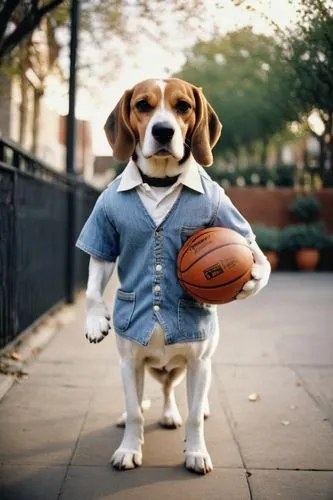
(124,459)
(171,420)
(198,462)
(260,274)
(97,328)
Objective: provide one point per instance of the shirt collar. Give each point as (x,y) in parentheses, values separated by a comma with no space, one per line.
(190,177)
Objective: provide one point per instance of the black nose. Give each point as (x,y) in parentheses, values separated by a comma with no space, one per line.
(162,132)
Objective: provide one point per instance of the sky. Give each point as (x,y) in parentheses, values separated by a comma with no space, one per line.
(150,60)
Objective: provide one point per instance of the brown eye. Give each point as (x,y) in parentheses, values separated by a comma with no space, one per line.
(143,106)
(182,107)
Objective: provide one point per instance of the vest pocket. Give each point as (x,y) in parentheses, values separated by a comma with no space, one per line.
(196,320)
(123,310)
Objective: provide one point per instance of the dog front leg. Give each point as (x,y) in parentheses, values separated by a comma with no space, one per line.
(129,453)
(199,376)
(98,316)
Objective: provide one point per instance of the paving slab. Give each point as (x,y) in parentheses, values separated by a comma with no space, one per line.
(306,349)
(285,428)
(170,483)
(291,485)
(100,437)
(319,383)
(71,373)
(40,424)
(289,322)
(278,344)
(31,482)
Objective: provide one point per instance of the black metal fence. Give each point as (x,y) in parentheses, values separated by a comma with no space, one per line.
(34,236)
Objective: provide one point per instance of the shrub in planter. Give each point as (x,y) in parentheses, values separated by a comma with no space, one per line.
(285,175)
(305,240)
(257,175)
(305,208)
(268,239)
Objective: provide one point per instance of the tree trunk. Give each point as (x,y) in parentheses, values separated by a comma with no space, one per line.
(279,154)
(321,156)
(331,139)
(264,151)
(305,154)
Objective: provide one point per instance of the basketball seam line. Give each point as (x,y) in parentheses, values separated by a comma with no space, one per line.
(216,286)
(193,238)
(209,251)
(203,231)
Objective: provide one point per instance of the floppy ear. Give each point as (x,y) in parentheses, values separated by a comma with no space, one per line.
(118,129)
(206,132)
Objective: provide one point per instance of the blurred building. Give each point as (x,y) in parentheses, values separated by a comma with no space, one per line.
(84,158)
(106,168)
(34,100)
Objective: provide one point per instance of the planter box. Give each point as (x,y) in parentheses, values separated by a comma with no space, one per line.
(287,261)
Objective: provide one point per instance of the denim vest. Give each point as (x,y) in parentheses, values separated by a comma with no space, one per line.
(120,227)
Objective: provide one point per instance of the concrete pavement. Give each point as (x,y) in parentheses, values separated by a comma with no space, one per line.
(57,428)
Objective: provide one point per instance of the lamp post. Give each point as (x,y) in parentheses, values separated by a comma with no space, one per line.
(70,155)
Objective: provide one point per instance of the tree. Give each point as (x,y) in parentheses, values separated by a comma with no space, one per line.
(18,19)
(103,24)
(245,79)
(309,51)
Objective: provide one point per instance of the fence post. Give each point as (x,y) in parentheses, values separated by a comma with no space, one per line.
(70,157)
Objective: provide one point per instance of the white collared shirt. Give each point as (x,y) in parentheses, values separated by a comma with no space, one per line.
(158,201)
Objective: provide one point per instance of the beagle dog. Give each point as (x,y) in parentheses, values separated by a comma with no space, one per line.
(166,129)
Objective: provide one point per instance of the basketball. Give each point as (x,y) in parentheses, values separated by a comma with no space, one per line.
(214,264)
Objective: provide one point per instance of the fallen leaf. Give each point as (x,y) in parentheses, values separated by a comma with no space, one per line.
(15,356)
(146,404)
(285,422)
(254,397)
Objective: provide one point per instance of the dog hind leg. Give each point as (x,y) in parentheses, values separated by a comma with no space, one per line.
(170,418)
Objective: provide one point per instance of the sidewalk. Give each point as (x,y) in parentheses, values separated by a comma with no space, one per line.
(57,428)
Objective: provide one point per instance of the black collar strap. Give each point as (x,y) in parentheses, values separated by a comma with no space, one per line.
(158,181)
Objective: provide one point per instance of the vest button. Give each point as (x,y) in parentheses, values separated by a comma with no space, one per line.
(157,288)
(156,308)
(158,268)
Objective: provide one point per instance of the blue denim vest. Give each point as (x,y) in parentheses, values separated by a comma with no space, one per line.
(120,227)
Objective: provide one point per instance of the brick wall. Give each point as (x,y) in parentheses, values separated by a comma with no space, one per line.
(270,207)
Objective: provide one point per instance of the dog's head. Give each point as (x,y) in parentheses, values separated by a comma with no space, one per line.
(163,119)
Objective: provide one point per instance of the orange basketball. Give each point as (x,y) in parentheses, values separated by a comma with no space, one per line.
(214,264)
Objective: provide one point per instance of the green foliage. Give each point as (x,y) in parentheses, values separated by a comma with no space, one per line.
(268,238)
(245,79)
(305,208)
(256,175)
(298,236)
(309,50)
(107,29)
